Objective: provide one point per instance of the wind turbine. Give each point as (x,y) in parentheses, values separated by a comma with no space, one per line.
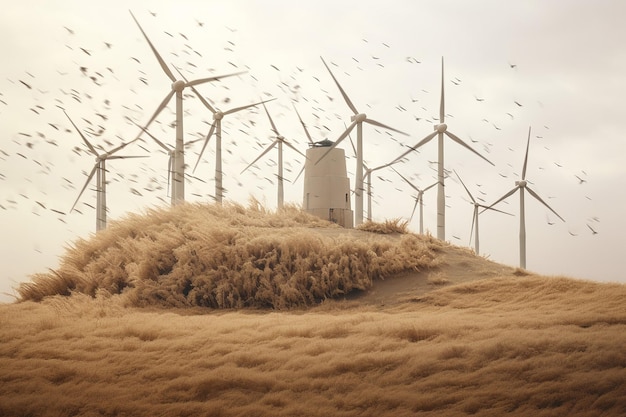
(474,228)
(440,130)
(418,200)
(99,169)
(357,120)
(521,186)
(178,180)
(280,140)
(216,127)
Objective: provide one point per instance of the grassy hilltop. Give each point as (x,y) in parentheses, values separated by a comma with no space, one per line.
(201,310)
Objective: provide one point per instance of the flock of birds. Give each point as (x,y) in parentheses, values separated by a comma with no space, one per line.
(104,111)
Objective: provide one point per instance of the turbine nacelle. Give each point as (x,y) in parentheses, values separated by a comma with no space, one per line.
(178,85)
(218,115)
(358,117)
(521,183)
(440,128)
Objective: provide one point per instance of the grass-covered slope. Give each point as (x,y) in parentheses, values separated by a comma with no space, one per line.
(515,346)
(229,257)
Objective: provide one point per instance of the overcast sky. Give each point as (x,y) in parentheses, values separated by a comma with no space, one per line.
(557,67)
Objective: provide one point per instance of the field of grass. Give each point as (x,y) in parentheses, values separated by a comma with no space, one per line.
(89,340)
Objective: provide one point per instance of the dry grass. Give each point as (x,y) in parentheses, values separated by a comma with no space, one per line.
(387,227)
(512,343)
(227,257)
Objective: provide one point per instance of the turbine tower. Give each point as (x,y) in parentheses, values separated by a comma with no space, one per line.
(419,199)
(178,180)
(521,186)
(99,169)
(216,127)
(474,228)
(357,120)
(280,140)
(440,130)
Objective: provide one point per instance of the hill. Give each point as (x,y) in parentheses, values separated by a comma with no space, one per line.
(447,334)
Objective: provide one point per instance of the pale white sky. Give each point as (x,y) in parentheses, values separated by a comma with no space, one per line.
(563,62)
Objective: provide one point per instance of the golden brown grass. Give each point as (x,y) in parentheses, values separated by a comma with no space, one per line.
(388,226)
(227,257)
(502,346)
(501,342)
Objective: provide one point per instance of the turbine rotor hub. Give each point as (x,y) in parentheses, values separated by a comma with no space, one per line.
(440,128)
(218,115)
(521,183)
(178,85)
(359,117)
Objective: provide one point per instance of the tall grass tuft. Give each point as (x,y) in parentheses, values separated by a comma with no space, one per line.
(389,226)
(230,256)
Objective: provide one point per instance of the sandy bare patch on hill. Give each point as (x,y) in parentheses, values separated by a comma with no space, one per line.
(457,265)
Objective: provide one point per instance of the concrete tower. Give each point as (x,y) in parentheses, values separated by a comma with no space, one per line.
(326,184)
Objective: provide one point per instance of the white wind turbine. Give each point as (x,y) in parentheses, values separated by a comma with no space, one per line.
(280,140)
(216,127)
(521,186)
(440,130)
(178,183)
(357,120)
(474,228)
(99,169)
(419,199)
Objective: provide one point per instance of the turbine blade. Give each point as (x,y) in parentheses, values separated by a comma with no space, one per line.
(91,148)
(209,79)
(127,156)
(93,171)
(507,195)
(417,199)
(474,216)
(534,194)
(493,209)
(430,186)
(306,131)
(161,144)
(460,142)
(161,107)
(417,145)
(156,53)
(468,192)
(300,173)
(379,124)
(407,181)
(442,106)
(343,93)
(526,156)
(122,146)
(294,148)
(236,109)
(170,171)
(352,143)
(206,142)
(202,99)
(269,148)
(271,121)
(334,145)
